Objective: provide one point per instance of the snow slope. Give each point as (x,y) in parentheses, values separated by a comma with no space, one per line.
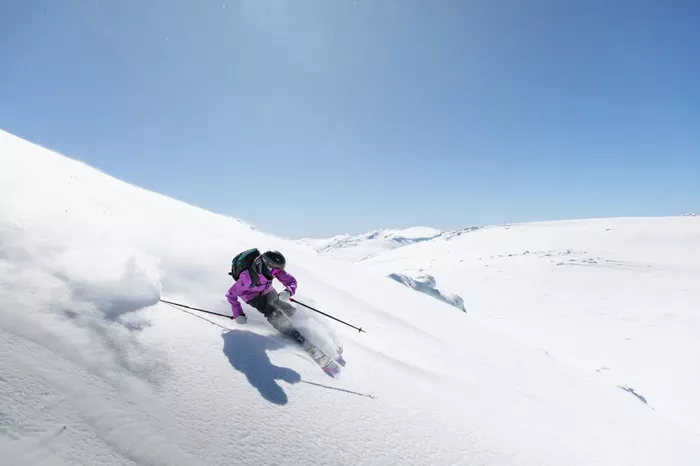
(95,371)
(358,247)
(617,300)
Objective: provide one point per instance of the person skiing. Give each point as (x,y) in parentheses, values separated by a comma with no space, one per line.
(254,286)
(254,274)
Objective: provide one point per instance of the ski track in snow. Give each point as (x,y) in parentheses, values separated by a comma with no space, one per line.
(94,370)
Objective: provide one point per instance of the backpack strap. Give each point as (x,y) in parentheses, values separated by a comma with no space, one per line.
(254,275)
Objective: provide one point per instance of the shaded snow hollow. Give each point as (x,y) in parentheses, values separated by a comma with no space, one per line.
(427,284)
(95,371)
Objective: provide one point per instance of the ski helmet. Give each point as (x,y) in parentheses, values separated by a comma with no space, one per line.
(274,260)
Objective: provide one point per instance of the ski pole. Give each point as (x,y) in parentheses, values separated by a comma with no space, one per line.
(327,315)
(197,309)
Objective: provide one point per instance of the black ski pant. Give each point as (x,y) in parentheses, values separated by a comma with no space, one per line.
(278,313)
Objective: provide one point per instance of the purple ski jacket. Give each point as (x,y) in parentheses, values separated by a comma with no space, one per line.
(244,289)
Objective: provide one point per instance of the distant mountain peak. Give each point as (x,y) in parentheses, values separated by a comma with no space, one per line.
(359,246)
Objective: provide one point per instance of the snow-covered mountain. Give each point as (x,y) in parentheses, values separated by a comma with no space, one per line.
(353,248)
(94,369)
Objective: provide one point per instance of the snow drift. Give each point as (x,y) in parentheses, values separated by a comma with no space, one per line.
(95,370)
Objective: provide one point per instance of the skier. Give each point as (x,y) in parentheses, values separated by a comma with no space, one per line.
(254,274)
(254,286)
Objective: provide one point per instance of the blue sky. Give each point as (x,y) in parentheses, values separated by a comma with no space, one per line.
(311,118)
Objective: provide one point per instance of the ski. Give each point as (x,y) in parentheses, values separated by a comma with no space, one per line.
(321,358)
(329,365)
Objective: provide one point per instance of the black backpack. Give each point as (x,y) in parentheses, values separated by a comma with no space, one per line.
(244,261)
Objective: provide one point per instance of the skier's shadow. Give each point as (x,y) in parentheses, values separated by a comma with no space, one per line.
(247,353)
